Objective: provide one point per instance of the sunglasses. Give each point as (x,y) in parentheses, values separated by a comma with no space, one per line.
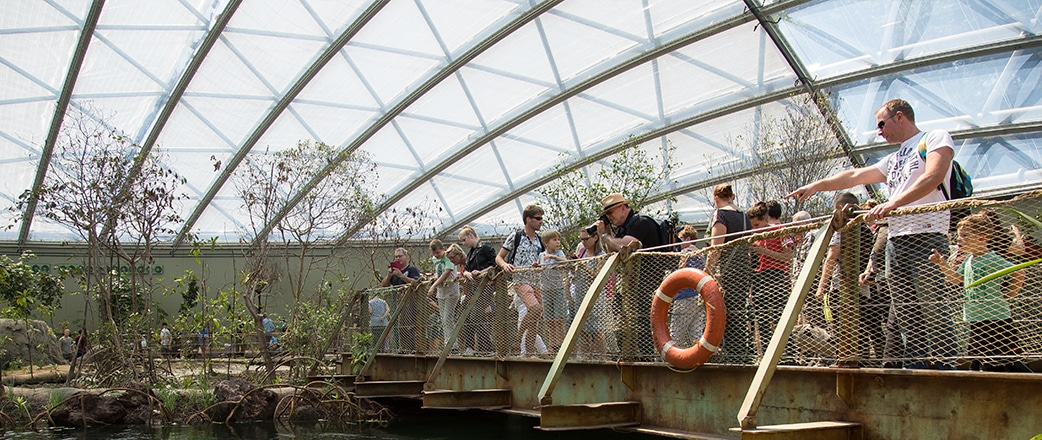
(882,123)
(585,238)
(536,218)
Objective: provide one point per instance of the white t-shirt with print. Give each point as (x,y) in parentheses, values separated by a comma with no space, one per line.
(902,168)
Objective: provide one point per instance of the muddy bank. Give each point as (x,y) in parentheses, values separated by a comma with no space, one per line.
(197,396)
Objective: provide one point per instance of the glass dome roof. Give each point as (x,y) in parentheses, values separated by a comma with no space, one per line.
(471,104)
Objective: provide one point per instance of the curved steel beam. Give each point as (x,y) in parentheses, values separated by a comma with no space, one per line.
(936,59)
(176,93)
(186,78)
(550,102)
(996,131)
(999,47)
(404,103)
(809,84)
(1032,127)
(89,23)
(1008,46)
(639,138)
(232,163)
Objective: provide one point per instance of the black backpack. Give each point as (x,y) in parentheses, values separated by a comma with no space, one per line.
(667,231)
(667,235)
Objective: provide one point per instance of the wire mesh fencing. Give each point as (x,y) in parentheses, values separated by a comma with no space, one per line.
(880,297)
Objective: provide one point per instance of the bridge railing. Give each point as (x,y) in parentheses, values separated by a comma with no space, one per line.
(904,312)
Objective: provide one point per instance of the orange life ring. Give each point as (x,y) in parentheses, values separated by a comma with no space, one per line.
(716,318)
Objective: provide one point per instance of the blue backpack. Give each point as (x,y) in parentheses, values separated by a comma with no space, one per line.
(960,185)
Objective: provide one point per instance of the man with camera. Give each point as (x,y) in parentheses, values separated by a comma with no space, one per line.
(629,224)
(399,273)
(633,301)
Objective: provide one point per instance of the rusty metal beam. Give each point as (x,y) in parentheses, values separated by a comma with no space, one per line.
(801,431)
(461,320)
(390,388)
(409,293)
(476,399)
(702,404)
(589,416)
(580,319)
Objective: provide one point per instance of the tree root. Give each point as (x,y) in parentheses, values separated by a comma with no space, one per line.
(348,406)
(5,420)
(288,361)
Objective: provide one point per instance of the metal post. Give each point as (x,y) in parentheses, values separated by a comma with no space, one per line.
(769,363)
(460,322)
(394,320)
(574,332)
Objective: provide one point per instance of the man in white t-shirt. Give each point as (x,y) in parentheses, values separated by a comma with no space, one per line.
(912,179)
(166,340)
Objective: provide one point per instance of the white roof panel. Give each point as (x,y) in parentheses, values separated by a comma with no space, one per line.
(478,139)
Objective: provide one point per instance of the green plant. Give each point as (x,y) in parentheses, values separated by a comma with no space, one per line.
(202,398)
(361,349)
(54,398)
(15,364)
(168,395)
(23,405)
(314,321)
(574,196)
(24,291)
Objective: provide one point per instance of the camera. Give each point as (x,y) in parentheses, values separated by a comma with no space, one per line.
(592,229)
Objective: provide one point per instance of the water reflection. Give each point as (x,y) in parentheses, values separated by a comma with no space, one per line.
(419,425)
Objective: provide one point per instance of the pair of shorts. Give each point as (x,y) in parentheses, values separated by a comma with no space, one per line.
(555,304)
(433,328)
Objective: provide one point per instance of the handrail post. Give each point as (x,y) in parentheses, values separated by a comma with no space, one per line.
(578,322)
(849,319)
(769,362)
(394,320)
(461,321)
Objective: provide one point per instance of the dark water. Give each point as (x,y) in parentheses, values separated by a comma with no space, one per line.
(425,425)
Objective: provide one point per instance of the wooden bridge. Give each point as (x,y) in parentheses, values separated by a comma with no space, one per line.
(801,402)
(714,401)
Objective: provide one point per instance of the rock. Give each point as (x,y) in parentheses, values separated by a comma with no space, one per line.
(140,408)
(37,334)
(86,409)
(305,413)
(257,406)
